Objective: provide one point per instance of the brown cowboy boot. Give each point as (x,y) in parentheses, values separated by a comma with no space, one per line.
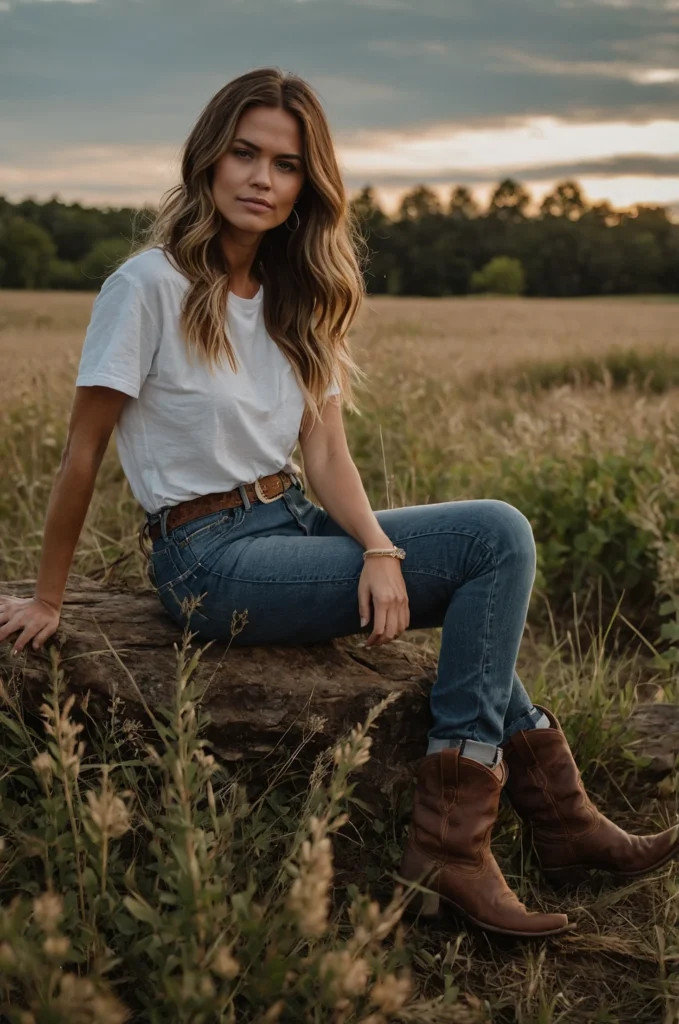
(455,806)
(569,835)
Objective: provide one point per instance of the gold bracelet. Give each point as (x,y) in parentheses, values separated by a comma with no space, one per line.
(394,552)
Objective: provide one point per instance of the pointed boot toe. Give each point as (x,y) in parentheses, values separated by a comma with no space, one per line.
(632,856)
(570,836)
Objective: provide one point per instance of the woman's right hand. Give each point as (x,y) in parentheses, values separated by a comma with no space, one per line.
(36,619)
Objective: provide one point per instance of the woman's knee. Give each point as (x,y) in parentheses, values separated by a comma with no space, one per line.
(508,532)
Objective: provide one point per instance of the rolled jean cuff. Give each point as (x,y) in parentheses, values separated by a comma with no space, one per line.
(487,753)
(527,721)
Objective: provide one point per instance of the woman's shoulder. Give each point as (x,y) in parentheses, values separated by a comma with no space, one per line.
(149,268)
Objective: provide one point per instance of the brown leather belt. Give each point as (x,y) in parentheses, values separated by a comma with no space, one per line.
(266,489)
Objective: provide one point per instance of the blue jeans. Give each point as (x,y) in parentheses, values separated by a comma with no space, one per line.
(469,567)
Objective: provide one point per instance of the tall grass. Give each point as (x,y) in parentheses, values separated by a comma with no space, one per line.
(141,877)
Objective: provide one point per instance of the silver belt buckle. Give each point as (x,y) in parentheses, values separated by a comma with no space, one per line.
(262,497)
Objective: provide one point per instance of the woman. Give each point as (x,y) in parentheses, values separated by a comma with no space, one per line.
(261,218)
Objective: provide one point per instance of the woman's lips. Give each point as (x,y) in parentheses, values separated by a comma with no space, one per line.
(252,205)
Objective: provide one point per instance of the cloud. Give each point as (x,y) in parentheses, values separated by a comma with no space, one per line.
(640,74)
(121,77)
(535,142)
(637,166)
(645,170)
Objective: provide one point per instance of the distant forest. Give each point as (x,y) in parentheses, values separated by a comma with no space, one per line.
(568,247)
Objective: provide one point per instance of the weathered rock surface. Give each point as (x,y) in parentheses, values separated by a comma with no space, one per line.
(258,697)
(657,735)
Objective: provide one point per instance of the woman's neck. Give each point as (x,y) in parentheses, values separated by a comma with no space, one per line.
(244,289)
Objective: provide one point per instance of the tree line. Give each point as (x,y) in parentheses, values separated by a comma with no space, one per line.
(564,247)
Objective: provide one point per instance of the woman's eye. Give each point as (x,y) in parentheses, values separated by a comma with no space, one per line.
(282,163)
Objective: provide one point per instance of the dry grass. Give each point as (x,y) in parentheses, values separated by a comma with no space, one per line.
(41,333)
(457,338)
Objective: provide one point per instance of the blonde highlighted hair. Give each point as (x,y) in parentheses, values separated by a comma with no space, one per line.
(312,277)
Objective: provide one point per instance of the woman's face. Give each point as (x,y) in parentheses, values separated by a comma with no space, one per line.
(264,161)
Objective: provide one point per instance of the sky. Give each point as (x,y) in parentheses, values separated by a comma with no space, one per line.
(97,96)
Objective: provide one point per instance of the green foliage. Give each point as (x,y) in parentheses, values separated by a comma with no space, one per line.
(26,251)
(502,275)
(655,371)
(64,276)
(509,201)
(428,248)
(583,517)
(103,259)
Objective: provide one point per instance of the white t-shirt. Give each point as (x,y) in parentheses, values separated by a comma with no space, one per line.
(184,433)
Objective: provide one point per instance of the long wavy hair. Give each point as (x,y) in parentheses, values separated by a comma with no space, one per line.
(312,276)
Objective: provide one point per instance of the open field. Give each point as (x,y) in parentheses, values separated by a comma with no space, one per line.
(568,409)
(42,332)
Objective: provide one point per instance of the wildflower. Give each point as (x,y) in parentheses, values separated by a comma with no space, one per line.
(224,964)
(81,1002)
(372,924)
(108,812)
(8,957)
(153,755)
(42,766)
(65,732)
(132,730)
(206,761)
(274,1012)
(47,911)
(345,975)
(207,987)
(309,896)
(56,946)
(355,751)
(113,706)
(238,622)
(391,992)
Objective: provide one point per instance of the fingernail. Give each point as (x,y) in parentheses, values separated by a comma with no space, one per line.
(14,652)
(363,622)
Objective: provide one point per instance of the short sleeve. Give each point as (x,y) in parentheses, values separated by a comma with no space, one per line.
(333,388)
(121,338)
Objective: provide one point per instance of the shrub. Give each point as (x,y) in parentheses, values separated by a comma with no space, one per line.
(102,260)
(503,275)
(65,275)
(654,371)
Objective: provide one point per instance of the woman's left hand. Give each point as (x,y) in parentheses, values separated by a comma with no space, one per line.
(382,580)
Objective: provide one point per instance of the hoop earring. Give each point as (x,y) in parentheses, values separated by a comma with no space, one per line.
(297,225)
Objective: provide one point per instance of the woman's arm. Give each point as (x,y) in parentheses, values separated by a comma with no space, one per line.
(332,473)
(93,417)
